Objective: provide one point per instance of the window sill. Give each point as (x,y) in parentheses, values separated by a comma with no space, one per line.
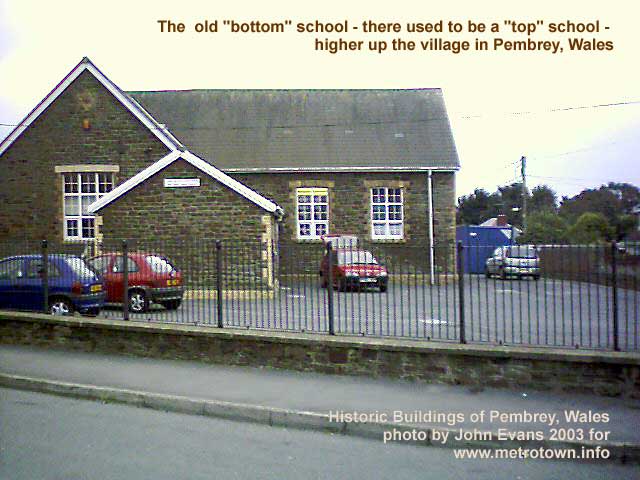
(388,240)
(78,240)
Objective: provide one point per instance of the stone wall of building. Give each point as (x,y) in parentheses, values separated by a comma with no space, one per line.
(350,201)
(31,204)
(349,213)
(184,224)
(86,125)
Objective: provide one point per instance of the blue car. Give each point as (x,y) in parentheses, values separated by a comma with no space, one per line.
(73,285)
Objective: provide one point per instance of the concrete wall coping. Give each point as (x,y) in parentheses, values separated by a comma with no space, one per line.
(357,342)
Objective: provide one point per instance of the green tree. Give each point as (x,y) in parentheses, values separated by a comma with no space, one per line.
(590,227)
(601,200)
(511,202)
(543,199)
(628,195)
(481,205)
(477,207)
(625,225)
(544,228)
(615,201)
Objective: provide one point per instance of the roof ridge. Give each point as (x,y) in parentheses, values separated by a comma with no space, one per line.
(178,90)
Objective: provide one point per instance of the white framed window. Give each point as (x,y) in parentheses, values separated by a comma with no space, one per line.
(313,212)
(387,213)
(81,189)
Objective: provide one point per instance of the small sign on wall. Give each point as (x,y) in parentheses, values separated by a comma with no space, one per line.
(181,182)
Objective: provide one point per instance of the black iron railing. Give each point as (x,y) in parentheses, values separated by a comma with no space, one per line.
(569,296)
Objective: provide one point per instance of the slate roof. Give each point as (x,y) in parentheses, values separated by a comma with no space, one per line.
(309,130)
(177,149)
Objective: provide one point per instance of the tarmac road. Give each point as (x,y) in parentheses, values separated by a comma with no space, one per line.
(545,312)
(48,437)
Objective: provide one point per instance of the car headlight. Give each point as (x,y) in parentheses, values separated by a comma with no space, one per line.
(351,274)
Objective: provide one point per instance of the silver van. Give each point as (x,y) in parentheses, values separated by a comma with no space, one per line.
(513,261)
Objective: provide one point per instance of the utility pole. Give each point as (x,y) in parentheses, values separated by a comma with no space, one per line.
(523,167)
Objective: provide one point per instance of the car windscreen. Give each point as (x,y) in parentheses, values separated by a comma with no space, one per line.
(99,264)
(356,257)
(159,264)
(80,268)
(522,251)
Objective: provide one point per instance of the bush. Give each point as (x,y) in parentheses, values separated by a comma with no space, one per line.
(590,228)
(544,228)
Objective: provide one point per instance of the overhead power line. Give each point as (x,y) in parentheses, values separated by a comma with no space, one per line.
(563,109)
(571,179)
(387,122)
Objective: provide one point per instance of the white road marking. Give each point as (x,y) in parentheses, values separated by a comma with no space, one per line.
(433,321)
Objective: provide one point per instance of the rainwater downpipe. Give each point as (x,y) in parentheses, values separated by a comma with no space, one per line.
(431,246)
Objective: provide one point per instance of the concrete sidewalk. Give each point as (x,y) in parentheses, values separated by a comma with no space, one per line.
(304,400)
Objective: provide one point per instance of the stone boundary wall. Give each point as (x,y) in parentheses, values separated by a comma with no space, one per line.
(601,373)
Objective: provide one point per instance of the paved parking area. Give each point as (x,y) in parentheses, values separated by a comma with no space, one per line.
(545,312)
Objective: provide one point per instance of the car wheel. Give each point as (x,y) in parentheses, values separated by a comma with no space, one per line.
(138,301)
(383,288)
(486,273)
(172,304)
(536,277)
(503,274)
(60,306)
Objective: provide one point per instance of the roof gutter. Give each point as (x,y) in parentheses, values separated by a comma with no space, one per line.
(279,213)
(339,169)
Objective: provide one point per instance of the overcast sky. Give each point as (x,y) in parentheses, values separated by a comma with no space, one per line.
(575,116)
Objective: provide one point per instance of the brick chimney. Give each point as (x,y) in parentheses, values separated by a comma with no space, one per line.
(501,221)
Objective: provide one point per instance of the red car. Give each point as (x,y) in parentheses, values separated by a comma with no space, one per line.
(152,279)
(354,268)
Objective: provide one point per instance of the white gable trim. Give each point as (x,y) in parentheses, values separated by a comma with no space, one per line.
(339,169)
(134,107)
(198,163)
(230,182)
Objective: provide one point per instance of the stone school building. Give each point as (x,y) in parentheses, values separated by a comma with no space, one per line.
(93,162)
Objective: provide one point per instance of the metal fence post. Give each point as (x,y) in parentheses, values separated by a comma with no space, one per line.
(614,293)
(460,262)
(219,282)
(125,280)
(45,276)
(330,288)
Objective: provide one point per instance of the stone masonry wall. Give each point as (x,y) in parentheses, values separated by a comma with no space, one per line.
(31,193)
(600,373)
(350,202)
(349,212)
(184,223)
